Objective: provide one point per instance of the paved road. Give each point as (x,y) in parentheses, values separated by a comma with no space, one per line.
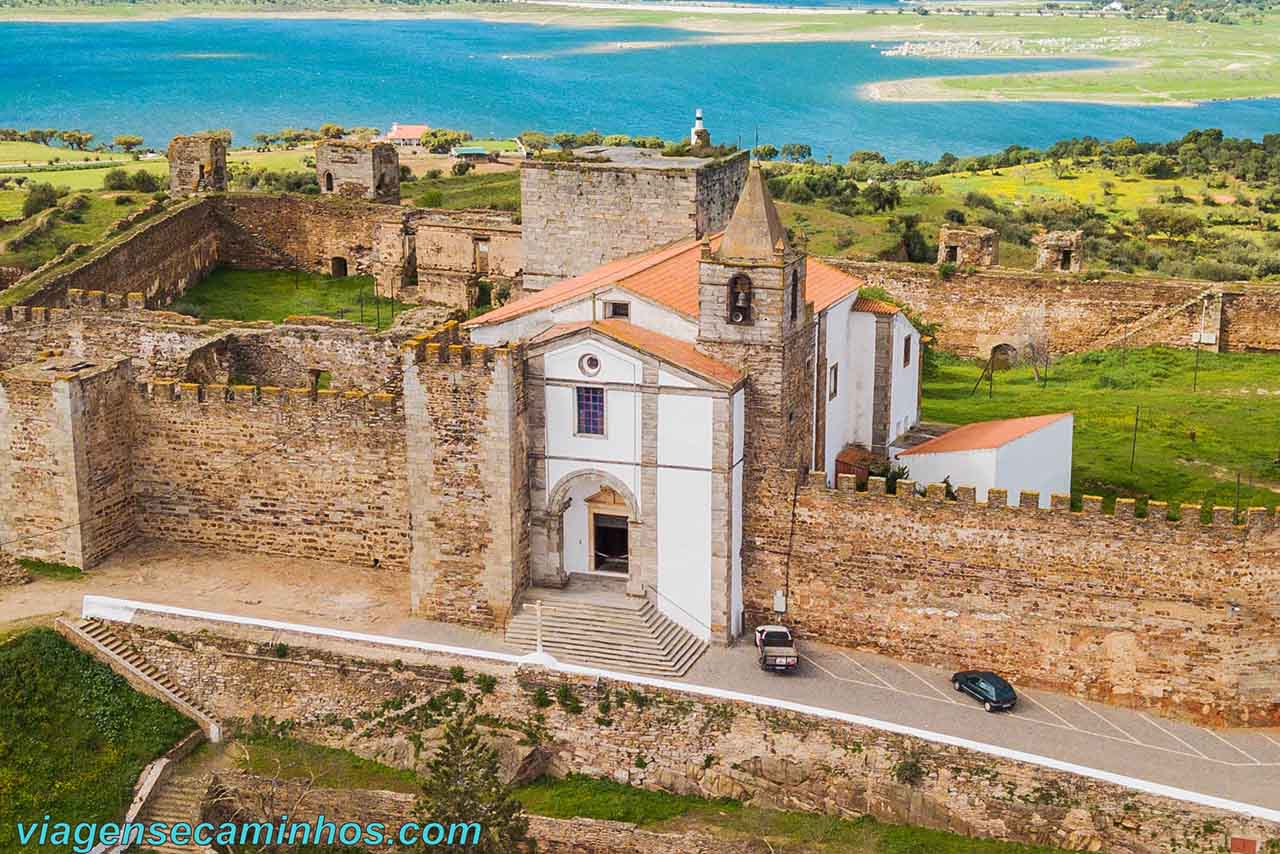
(1242,765)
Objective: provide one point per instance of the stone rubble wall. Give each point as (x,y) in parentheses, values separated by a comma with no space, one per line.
(281,471)
(465,415)
(578,216)
(372,700)
(1130,611)
(160,259)
(394,809)
(981,309)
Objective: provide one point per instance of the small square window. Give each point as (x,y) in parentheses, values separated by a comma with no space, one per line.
(906,352)
(590,410)
(618,309)
(833,382)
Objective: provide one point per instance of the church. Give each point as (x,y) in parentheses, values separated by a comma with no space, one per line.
(659,384)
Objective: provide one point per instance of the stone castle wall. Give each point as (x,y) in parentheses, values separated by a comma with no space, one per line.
(992,306)
(668,740)
(449,256)
(359,171)
(1131,611)
(273,470)
(578,216)
(465,416)
(66,483)
(160,259)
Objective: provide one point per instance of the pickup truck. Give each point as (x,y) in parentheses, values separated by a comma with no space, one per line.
(776,648)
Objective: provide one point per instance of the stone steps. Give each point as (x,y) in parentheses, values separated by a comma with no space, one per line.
(111,646)
(179,800)
(631,635)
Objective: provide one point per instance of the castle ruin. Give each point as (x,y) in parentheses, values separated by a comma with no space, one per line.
(969,247)
(358,170)
(197,164)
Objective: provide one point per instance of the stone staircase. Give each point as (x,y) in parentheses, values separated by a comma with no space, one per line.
(1122,336)
(615,633)
(177,801)
(96,638)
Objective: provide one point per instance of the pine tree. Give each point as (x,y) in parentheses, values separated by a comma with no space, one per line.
(463,785)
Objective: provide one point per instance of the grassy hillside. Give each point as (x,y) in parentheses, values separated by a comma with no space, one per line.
(73,736)
(88,224)
(498,190)
(1190,444)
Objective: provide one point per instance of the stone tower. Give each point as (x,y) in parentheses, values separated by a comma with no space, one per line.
(359,170)
(754,313)
(197,164)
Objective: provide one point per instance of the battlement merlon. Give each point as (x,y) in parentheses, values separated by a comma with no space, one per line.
(173,391)
(1189,515)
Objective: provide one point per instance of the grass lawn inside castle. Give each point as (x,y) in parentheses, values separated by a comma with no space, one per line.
(1190,445)
(276,294)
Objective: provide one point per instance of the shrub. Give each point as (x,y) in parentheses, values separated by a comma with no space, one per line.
(568,700)
(975,199)
(430,199)
(954,215)
(457,674)
(116,179)
(144,181)
(486,682)
(460,168)
(432,174)
(541,698)
(946,270)
(124,200)
(909,771)
(39,197)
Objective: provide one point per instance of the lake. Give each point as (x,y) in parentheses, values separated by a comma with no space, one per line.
(160,78)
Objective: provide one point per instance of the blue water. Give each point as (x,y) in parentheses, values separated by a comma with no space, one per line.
(163,78)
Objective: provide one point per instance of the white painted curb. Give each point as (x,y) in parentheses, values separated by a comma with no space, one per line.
(123,610)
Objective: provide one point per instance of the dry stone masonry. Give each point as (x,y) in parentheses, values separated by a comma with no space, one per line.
(376,701)
(356,170)
(197,164)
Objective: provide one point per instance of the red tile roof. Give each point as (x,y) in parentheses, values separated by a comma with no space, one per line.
(985,435)
(399,131)
(682,354)
(668,276)
(874,306)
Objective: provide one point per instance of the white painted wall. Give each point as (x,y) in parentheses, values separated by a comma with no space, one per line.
(841,410)
(644,312)
(684,510)
(735,514)
(684,548)
(861,382)
(965,468)
(1039,462)
(904,400)
(621,441)
(577,541)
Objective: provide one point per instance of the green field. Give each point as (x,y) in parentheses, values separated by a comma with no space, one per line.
(73,736)
(1190,445)
(498,190)
(275,294)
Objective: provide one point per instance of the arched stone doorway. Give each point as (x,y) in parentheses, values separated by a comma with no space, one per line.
(338,267)
(328,182)
(592,527)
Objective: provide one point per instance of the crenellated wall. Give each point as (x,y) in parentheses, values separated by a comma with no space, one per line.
(983,308)
(465,416)
(1132,611)
(273,470)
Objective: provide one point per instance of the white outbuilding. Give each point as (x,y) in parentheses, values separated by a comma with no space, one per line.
(1016,454)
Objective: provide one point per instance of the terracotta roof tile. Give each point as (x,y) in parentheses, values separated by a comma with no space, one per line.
(682,354)
(985,435)
(874,306)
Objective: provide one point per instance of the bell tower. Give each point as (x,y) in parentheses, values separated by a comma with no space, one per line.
(754,313)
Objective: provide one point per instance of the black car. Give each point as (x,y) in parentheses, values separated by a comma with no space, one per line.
(987,688)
